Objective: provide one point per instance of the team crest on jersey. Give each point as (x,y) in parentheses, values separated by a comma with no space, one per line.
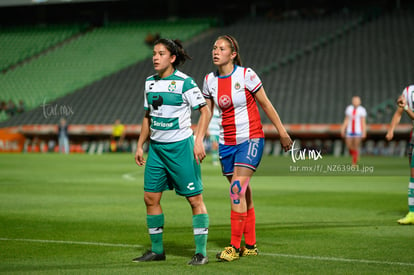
(224,101)
(172,86)
(237,86)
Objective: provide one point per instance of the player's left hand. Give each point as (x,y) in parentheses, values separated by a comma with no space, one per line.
(199,152)
(401,102)
(286,142)
(389,136)
(139,157)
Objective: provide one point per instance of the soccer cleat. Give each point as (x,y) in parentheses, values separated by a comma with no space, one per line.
(409,219)
(228,254)
(150,256)
(198,259)
(244,251)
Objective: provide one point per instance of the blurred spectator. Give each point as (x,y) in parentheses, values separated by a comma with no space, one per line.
(63,136)
(118,135)
(21,107)
(3,106)
(151,38)
(11,108)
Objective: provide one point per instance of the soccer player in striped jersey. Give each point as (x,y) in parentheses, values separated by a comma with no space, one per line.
(406,104)
(234,91)
(174,155)
(354,127)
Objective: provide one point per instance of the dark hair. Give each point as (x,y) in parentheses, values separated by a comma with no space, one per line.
(175,48)
(234,45)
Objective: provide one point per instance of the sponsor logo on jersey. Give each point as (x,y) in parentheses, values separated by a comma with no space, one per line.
(162,124)
(156,101)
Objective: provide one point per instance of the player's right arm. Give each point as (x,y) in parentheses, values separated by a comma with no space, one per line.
(402,103)
(145,131)
(394,122)
(273,116)
(210,104)
(343,126)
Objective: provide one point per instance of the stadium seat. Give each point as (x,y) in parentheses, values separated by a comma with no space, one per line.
(310,68)
(89,58)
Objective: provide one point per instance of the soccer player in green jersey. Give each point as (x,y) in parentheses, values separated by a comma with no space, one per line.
(406,105)
(175,154)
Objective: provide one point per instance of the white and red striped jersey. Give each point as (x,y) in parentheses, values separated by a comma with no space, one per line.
(233,95)
(408,94)
(355,115)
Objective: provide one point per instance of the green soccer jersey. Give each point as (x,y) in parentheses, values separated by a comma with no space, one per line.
(169,101)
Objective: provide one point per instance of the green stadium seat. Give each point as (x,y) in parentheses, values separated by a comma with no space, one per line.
(84,60)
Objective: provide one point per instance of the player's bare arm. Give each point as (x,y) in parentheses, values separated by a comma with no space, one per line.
(344,125)
(364,127)
(139,154)
(205,116)
(402,104)
(394,122)
(210,104)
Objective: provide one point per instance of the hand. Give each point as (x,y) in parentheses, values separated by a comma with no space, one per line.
(364,135)
(199,152)
(139,157)
(286,142)
(401,101)
(389,136)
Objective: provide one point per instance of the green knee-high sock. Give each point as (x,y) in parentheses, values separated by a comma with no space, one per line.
(214,154)
(411,195)
(155,228)
(200,227)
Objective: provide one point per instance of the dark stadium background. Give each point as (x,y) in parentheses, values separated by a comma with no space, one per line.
(312,57)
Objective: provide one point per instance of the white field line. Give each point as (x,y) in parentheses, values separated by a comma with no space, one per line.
(71,242)
(131,176)
(334,259)
(318,258)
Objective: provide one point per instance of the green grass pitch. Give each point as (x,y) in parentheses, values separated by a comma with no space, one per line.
(84,214)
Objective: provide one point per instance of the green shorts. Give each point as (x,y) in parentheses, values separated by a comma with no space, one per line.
(172,166)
